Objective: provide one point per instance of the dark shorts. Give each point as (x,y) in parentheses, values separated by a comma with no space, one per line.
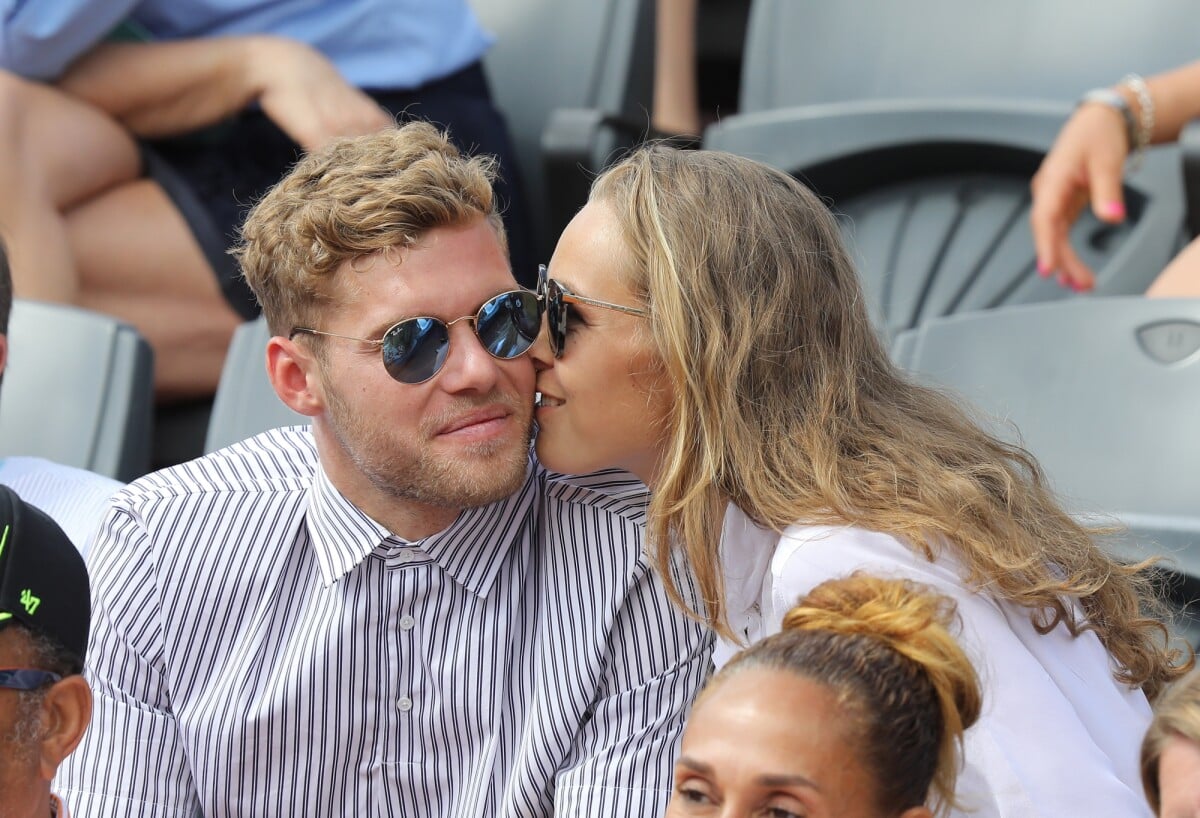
(216,176)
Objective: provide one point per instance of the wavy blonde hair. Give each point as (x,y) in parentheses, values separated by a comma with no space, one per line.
(883,646)
(787,405)
(354,197)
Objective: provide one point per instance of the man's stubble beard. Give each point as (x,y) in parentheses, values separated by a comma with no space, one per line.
(411,472)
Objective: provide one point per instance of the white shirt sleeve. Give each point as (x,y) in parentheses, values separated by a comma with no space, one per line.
(131,760)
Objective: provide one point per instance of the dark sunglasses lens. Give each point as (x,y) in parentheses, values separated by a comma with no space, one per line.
(414,350)
(509,323)
(556,313)
(26,679)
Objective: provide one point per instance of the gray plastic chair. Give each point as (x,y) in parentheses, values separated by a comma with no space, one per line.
(812,52)
(922,122)
(78,390)
(246,403)
(1103,391)
(594,60)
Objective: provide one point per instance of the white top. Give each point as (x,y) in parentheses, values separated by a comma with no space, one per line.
(261,647)
(1058,736)
(74,498)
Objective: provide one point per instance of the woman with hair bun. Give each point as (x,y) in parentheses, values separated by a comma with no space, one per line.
(857,708)
(707,331)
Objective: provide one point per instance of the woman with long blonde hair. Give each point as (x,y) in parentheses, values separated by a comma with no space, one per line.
(707,332)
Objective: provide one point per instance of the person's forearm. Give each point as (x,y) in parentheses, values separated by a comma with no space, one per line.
(1176,98)
(676,106)
(163,89)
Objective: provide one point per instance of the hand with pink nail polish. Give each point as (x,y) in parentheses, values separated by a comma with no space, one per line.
(1084,168)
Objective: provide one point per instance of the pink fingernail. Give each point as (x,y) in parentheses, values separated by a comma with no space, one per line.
(1043,268)
(1115,209)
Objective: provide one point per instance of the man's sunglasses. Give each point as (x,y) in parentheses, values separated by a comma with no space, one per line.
(558,298)
(415,349)
(21,678)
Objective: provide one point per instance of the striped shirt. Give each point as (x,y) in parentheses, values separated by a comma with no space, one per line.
(260,647)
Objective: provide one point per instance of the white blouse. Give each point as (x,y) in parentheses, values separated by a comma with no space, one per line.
(1058,735)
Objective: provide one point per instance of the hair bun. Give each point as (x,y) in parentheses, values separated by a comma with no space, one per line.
(909,618)
(887,608)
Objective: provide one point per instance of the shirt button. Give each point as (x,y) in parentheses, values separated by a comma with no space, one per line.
(407,623)
(404,704)
(407,555)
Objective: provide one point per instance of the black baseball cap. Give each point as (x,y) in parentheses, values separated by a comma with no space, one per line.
(43,580)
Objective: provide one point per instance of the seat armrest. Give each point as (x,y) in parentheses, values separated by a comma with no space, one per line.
(1189,149)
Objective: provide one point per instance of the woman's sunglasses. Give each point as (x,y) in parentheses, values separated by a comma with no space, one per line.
(415,349)
(23,678)
(557,299)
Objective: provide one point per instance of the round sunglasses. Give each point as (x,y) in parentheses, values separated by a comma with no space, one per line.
(415,349)
(557,300)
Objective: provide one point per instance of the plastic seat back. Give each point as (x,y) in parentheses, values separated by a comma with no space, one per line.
(1103,391)
(922,123)
(807,52)
(246,403)
(594,56)
(78,389)
(934,200)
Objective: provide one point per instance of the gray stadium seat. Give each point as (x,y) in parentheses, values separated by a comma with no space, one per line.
(594,60)
(246,403)
(812,52)
(1103,391)
(922,123)
(78,390)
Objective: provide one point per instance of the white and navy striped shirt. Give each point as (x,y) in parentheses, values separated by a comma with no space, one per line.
(260,647)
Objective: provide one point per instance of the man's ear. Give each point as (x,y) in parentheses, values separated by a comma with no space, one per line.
(295,374)
(66,711)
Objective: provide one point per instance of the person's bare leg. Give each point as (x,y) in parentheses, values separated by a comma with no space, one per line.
(139,261)
(55,152)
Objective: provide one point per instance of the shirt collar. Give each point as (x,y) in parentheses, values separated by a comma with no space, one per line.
(471,550)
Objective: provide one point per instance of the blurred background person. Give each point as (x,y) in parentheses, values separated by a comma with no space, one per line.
(1086,163)
(128,158)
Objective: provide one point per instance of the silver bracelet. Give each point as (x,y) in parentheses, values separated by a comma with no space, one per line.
(1145,130)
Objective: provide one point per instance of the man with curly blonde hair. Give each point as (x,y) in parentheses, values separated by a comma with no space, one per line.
(397,611)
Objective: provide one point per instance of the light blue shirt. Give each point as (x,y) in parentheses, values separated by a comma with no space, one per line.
(394,44)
